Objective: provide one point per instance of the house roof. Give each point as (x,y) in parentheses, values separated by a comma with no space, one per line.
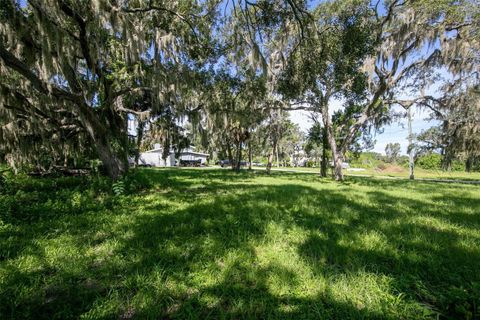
(195,153)
(156,150)
(181,153)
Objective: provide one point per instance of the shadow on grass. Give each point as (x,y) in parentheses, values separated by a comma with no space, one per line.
(194,254)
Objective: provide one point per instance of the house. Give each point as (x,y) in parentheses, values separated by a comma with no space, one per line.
(187,157)
(190,157)
(154,158)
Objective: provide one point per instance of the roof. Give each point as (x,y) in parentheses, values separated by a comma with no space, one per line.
(195,153)
(155,150)
(181,153)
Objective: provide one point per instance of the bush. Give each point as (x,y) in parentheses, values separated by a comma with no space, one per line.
(382,166)
(430,161)
(458,165)
(310,163)
(403,161)
(366,160)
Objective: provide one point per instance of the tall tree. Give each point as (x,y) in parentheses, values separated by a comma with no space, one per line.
(327,66)
(231,110)
(392,151)
(78,64)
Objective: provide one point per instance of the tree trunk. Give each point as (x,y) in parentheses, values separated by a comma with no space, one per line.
(230,155)
(270,156)
(238,157)
(324,163)
(115,162)
(140,129)
(468,164)
(337,155)
(250,155)
(114,165)
(278,161)
(411,162)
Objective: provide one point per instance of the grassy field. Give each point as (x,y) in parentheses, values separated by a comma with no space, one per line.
(210,244)
(395,172)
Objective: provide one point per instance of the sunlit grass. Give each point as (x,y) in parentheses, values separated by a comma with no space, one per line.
(399,172)
(215,244)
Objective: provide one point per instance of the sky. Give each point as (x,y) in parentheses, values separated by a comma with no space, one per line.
(395,132)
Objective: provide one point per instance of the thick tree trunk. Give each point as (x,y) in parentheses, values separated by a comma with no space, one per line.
(337,155)
(114,165)
(114,162)
(337,163)
(238,157)
(270,157)
(324,163)
(468,164)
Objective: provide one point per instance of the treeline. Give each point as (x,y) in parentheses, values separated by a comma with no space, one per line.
(223,74)
(427,161)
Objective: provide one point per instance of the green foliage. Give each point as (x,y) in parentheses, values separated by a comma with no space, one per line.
(366,160)
(42,199)
(3,182)
(118,187)
(392,151)
(95,165)
(430,161)
(458,165)
(313,144)
(310,163)
(403,161)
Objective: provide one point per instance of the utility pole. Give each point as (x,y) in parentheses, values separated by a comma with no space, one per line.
(411,164)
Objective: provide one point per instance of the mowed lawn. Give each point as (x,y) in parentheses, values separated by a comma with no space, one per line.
(213,244)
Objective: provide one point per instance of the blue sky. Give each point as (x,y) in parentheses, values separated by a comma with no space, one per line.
(395,132)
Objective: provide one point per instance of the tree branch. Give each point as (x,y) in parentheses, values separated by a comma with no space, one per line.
(12,62)
(158,8)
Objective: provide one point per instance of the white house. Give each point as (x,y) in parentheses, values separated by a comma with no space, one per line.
(189,155)
(154,157)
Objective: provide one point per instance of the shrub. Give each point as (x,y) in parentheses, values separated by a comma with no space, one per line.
(366,160)
(430,161)
(382,166)
(403,161)
(458,165)
(310,163)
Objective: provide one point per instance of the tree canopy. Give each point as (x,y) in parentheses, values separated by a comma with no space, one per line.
(73,72)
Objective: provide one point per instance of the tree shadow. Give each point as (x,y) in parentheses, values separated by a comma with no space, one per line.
(236,221)
(191,250)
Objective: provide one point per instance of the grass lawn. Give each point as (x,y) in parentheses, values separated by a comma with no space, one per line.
(399,172)
(209,244)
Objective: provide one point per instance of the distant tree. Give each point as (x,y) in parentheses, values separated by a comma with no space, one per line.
(431,139)
(274,130)
(458,135)
(290,142)
(392,151)
(317,145)
(230,111)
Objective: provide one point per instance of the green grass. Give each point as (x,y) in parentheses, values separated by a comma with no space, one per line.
(374,172)
(209,244)
(422,173)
